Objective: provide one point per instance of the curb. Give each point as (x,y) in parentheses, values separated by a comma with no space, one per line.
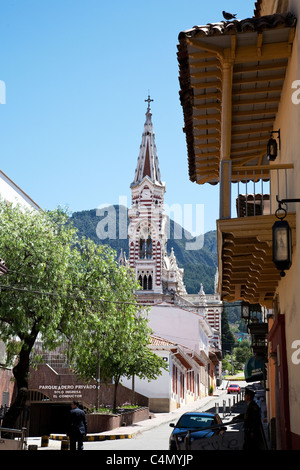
(90,438)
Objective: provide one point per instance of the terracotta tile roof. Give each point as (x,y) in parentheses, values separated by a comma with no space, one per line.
(257,24)
(157,341)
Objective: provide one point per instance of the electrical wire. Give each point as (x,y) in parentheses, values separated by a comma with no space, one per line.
(93,299)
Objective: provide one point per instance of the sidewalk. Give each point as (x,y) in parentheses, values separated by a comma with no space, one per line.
(56,441)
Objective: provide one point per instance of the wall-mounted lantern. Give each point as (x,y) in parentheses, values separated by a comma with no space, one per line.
(245,313)
(272,147)
(251,313)
(282,246)
(282,241)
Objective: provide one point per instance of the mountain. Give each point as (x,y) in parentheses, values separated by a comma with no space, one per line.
(197,255)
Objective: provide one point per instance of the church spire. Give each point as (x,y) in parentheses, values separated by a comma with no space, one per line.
(147,164)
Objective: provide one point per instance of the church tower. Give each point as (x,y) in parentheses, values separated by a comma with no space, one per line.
(156,272)
(147,224)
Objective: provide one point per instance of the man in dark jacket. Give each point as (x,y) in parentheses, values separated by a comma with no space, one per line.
(253,431)
(77,427)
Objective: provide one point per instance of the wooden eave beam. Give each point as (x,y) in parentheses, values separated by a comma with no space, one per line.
(211,145)
(213,50)
(260,67)
(207,96)
(276,50)
(246,150)
(207,106)
(203,64)
(201,127)
(252,122)
(204,74)
(254,101)
(213,175)
(207,117)
(204,85)
(207,156)
(258,79)
(262,136)
(247,53)
(254,112)
(257,90)
(260,130)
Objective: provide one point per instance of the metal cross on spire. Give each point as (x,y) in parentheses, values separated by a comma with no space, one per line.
(148,101)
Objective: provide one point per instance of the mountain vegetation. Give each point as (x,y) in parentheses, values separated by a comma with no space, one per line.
(197,255)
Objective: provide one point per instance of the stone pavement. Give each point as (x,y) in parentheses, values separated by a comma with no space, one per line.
(58,442)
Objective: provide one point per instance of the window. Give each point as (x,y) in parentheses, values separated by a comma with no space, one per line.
(145,280)
(145,251)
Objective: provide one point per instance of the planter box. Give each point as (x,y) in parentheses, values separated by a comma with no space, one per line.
(100,422)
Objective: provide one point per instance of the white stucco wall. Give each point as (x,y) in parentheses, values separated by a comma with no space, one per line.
(181,326)
(12,193)
(159,388)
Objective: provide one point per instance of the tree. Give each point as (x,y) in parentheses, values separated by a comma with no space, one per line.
(242,352)
(53,280)
(118,345)
(227,336)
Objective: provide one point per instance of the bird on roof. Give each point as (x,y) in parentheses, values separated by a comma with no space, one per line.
(228,16)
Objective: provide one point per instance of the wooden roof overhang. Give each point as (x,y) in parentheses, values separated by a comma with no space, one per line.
(231,76)
(185,360)
(246,269)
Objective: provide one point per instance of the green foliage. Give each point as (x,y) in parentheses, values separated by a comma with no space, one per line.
(38,252)
(227,336)
(60,287)
(242,353)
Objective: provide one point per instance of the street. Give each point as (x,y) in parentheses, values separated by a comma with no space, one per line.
(158,437)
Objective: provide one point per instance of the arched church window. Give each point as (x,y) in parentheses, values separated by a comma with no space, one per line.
(146,280)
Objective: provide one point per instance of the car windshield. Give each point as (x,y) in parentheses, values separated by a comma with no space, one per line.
(195,421)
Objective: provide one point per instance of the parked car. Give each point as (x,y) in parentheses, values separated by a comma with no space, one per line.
(233,388)
(198,423)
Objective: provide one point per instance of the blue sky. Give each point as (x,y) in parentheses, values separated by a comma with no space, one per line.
(77,73)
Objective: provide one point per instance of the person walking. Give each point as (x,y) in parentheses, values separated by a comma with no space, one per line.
(77,427)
